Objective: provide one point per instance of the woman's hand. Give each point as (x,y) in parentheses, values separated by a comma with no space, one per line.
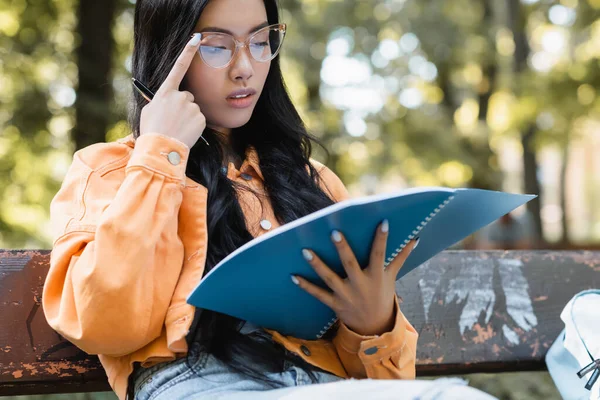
(172,112)
(364,301)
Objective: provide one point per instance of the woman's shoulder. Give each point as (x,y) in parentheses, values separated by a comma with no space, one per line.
(330,181)
(322,169)
(103,155)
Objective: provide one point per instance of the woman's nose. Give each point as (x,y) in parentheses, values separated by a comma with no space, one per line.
(241,65)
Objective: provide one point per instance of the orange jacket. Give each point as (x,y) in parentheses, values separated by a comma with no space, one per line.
(130,239)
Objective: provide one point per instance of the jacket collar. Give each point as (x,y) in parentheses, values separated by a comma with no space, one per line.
(251,161)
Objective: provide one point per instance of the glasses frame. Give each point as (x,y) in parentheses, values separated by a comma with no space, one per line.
(282,27)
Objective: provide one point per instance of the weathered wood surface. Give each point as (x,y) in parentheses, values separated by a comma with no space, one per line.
(492,311)
(475,311)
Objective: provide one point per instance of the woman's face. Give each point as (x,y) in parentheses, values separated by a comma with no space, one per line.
(211,86)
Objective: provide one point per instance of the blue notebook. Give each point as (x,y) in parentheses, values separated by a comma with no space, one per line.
(253,283)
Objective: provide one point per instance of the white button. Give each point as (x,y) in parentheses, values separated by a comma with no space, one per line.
(265,224)
(174,158)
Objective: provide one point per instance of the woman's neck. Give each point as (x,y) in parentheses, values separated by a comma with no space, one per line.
(228,154)
(231,156)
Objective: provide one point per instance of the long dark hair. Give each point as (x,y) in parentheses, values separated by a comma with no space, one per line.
(275,130)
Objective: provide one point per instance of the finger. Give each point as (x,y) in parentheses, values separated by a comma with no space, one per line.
(331,279)
(397,263)
(181,66)
(189,96)
(322,295)
(349,261)
(377,259)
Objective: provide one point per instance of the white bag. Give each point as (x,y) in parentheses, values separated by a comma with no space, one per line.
(573,360)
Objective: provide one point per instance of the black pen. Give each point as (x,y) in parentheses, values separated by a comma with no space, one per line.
(144,91)
(148,95)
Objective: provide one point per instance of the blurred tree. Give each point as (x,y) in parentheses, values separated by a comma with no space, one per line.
(94,66)
(516,21)
(36,72)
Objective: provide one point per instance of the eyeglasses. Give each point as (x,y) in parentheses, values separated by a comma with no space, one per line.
(218,49)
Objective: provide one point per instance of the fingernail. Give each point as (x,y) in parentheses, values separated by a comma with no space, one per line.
(307,255)
(416,242)
(195,39)
(295,280)
(337,236)
(385,226)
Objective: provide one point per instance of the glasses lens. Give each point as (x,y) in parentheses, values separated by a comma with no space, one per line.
(216,49)
(265,44)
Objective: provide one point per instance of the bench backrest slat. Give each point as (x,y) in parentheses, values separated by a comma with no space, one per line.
(475,311)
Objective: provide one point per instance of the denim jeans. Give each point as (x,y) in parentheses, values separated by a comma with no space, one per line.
(202,376)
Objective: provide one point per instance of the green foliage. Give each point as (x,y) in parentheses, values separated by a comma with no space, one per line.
(440,97)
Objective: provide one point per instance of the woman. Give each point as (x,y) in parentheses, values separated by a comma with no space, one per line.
(140,221)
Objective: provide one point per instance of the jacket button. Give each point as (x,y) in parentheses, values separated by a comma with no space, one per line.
(305,350)
(266,224)
(174,158)
(371,350)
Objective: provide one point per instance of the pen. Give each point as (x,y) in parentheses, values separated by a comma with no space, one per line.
(148,95)
(144,91)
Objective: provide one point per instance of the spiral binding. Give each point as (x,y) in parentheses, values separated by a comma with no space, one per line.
(413,234)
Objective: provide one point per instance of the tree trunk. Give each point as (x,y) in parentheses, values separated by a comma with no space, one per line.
(94,60)
(532,185)
(516,23)
(563,196)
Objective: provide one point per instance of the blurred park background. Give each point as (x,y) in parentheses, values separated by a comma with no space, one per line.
(498,95)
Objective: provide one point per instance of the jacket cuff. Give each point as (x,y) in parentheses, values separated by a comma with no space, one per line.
(375,347)
(162,154)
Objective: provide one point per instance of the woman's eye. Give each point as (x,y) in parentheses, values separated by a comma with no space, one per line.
(213,49)
(261,44)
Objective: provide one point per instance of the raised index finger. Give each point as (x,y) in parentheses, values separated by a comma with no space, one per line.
(181,66)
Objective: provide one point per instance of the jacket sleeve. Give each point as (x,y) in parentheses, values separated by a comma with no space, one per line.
(391,355)
(115,244)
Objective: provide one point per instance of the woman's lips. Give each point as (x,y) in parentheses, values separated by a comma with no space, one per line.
(241,103)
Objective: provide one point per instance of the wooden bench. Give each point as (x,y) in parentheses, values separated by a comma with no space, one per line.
(476,312)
